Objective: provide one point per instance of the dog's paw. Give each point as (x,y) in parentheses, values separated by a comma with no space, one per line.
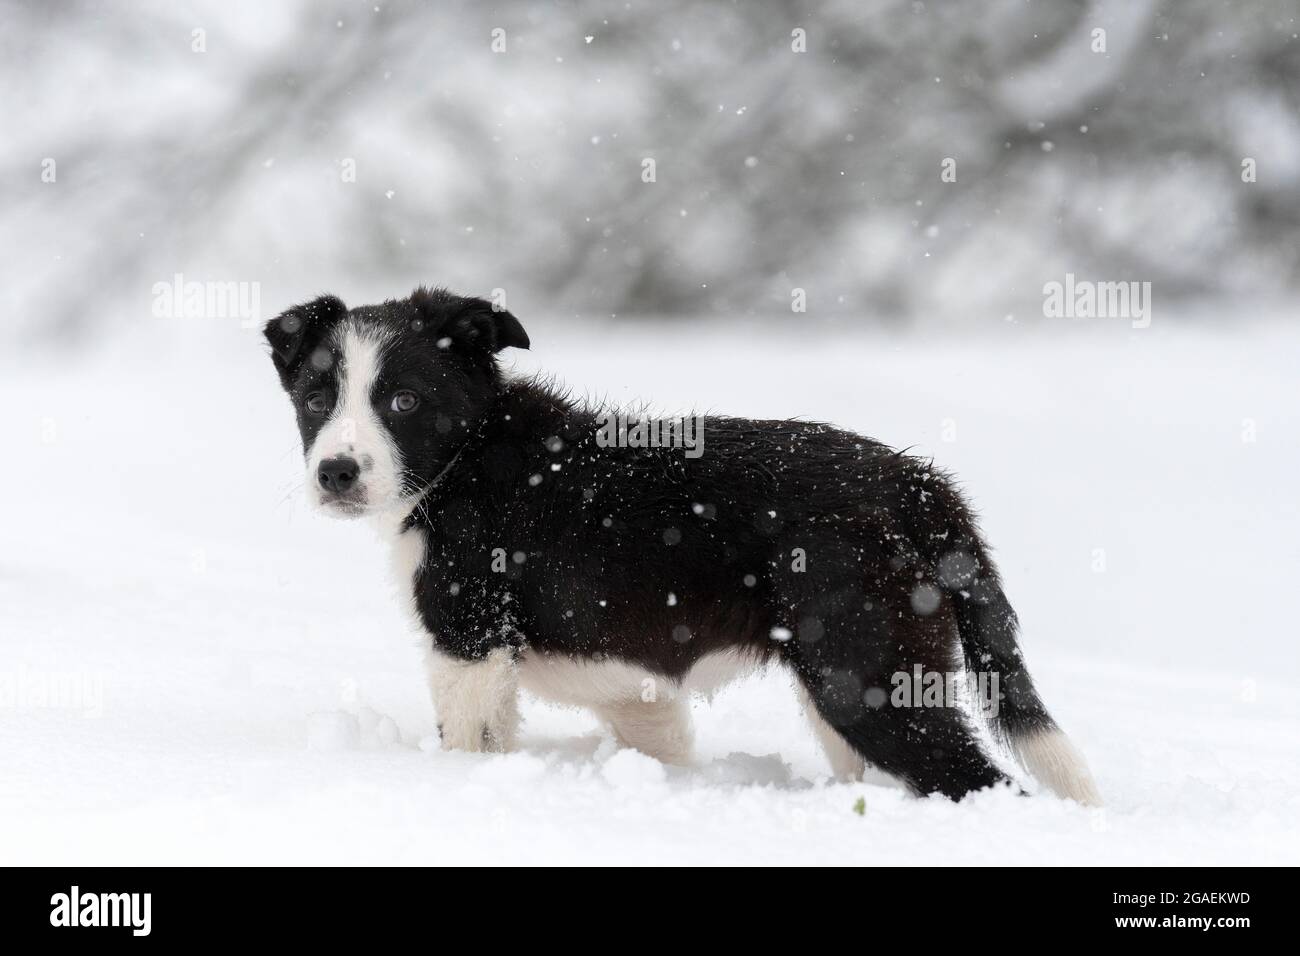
(492,737)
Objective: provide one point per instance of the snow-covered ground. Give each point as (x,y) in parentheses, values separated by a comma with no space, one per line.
(194,668)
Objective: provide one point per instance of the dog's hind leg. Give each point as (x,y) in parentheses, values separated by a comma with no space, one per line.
(846,763)
(932,750)
(848,653)
(660,728)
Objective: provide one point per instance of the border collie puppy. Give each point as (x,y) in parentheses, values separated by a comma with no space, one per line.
(539,547)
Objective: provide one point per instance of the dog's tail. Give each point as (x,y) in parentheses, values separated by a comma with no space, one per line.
(941,523)
(987,625)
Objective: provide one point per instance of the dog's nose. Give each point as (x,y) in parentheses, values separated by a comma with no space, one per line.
(337,474)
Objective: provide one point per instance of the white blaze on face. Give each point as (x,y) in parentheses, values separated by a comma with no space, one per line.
(354,429)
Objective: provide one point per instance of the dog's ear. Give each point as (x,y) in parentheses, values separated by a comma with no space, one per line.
(474,324)
(295,332)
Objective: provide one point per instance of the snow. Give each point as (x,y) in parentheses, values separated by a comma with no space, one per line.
(194,668)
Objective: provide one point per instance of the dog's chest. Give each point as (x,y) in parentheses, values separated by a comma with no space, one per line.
(406,553)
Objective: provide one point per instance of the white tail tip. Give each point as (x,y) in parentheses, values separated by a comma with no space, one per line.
(1054,761)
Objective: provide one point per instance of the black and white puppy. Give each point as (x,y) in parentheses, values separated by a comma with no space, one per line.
(538,553)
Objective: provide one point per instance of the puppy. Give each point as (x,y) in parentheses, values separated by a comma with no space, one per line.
(611,564)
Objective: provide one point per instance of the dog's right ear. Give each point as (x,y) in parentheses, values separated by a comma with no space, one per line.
(295,332)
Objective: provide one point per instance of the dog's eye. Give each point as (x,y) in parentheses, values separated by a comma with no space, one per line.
(317,403)
(405,401)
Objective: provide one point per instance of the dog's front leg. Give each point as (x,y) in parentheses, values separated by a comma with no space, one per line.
(476,699)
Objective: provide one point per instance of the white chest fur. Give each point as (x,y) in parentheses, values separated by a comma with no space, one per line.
(405,558)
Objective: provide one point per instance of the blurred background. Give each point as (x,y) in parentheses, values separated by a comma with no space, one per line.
(654,187)
(363,147)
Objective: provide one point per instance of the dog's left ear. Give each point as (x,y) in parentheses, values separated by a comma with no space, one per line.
(475,324)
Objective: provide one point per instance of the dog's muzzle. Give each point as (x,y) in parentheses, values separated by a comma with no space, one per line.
(341,491)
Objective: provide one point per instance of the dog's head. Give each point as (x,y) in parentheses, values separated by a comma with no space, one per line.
(386,395)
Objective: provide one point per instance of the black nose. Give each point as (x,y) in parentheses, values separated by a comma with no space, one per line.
(337,474)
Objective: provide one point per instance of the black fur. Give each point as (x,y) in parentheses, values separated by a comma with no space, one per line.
(597,538)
